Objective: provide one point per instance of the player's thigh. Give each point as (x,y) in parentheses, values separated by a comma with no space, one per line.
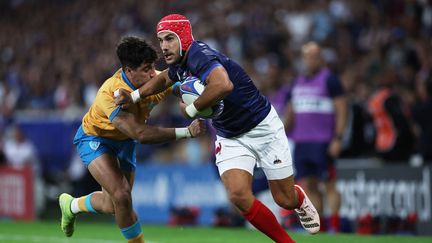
(106,172)
(270,145)
(275,159)
(130,177)
(236,164)
(238,182)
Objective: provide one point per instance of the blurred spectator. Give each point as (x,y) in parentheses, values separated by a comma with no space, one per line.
(21,152)
(394,137)
(278,89)
(8,101)
(2,154)
(358,137)
(422,114)
(322,25)
(316,118)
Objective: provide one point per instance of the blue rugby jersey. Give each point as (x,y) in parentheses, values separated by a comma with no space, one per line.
(244,108)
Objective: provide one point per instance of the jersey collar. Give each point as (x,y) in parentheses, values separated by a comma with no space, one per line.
(127,81)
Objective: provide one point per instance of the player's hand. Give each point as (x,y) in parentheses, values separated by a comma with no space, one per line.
(197,127)
(335,148)
(176,89)
(183,110)
(122,98)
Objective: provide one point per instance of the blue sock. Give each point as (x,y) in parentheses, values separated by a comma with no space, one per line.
(88,205)
(132,231)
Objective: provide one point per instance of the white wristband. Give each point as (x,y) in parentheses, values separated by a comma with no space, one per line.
(191,110)
(182,132)
(135,95)
(116,93)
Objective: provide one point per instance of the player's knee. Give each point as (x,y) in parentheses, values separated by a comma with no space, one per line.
(122,197)
(239,196)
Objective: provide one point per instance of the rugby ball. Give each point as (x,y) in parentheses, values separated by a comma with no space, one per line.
(190,89)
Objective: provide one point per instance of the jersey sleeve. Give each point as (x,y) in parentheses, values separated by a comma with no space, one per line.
(172,74)
(105,102)
(334,86)
(165,93)
(201,61)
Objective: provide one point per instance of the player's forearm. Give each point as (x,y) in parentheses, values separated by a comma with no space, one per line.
(341,116)
(155,85)
(288,120)
(218,87)
(126,123)
(213,93)
(155,135)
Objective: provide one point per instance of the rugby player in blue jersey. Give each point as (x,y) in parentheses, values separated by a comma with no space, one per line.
(249,131)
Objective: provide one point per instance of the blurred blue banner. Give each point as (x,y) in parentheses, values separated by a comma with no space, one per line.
(53,141)
(159,188)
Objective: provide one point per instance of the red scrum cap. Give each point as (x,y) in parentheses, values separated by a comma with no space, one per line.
(178,25)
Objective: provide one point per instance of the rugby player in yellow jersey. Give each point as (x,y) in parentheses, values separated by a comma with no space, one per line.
(106,141)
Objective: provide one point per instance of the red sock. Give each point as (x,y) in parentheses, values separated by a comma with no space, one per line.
(323,225)
(264,220)
(301,196)
(334,223)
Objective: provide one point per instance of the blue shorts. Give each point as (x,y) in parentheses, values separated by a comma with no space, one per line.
(90,147)
(313,160)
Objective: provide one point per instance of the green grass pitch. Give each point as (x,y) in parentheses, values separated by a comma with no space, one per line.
(49,232)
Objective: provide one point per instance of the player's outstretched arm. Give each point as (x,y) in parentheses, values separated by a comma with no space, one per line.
(127,124)
(341,114)
(155,85)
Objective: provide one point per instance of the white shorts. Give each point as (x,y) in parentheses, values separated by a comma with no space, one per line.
(265,146)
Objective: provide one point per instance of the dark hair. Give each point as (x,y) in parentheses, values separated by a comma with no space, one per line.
(134,51)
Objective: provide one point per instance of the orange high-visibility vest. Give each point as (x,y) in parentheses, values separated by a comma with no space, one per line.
(386,133)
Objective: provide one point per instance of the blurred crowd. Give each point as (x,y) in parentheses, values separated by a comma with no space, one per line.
(54,55)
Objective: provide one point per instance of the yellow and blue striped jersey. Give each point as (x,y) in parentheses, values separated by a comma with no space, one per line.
(98,120)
